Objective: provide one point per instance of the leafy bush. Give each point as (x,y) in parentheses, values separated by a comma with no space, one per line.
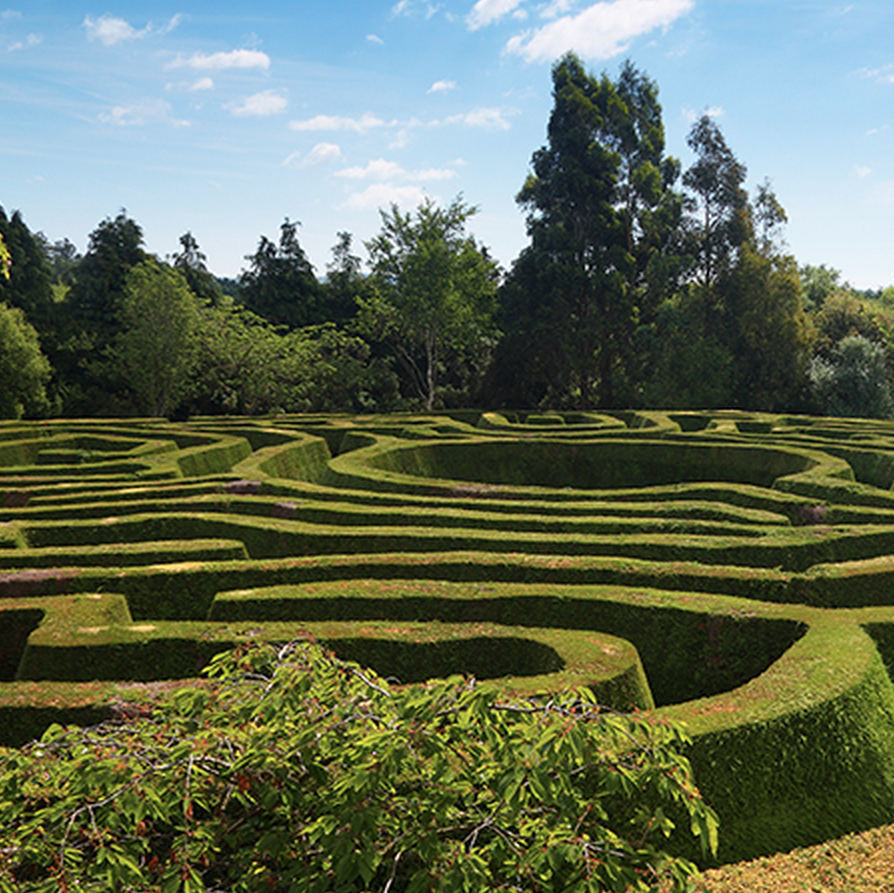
(856,382)
(293,770)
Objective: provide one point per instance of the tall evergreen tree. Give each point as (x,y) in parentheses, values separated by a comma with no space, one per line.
(280,284)
(190,263)
(602,215)
(720,223)
(91,319)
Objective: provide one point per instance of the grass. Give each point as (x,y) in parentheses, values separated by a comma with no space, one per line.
(856,863)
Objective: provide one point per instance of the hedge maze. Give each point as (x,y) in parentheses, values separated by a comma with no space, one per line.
(732,570)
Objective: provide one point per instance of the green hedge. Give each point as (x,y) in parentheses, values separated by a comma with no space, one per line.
(707,535)
(802,754)
(526,660)
(690,645)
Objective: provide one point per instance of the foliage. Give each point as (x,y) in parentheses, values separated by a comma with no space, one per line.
(89,321)
(436,287)
(25,278)
(190,263)
(5,259)
(601,216)
(299,772)
(157,347)
(280,284)
(720,223)
(818,283)
(24,370)
(773,334)
(844,313)
(344,282)
(688,367)
(855,382)
(246,367)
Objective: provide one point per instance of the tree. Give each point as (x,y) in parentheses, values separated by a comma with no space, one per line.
(190,263)
(818,283)
(157,346)
(280,284)
(344,282)
(855,382)
(28,280)
(24,370)
(296,771)
(239,357)
(5,259)
(736,334)
(245,366)
(773,336)
(720,222)
(115,246)
(90,320)
(602,215)
(437,287)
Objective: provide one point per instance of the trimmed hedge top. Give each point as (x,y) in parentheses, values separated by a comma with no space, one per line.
(735,569)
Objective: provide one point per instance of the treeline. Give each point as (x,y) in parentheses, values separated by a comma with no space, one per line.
(642,284)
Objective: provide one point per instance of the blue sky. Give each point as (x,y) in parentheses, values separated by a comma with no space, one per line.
(224,118)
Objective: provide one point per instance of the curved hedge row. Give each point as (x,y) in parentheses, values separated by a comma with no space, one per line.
(734,569)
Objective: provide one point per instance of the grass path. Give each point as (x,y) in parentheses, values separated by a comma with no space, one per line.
(857,863)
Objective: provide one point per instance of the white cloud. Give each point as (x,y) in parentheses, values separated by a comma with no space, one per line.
(862,171)
(487,118)
(201,84)
(149,112)
(11,14)
(172,23)
(408,8)
(442,87)
(260,105)
(223,61)
(379,195)
(110,30)
(714,111)
(379,169)
(374,38)
(383,170)
(322,153)
(366,122)
(32,40)
(599,32)
(883,75)
(486,12)
(556,8)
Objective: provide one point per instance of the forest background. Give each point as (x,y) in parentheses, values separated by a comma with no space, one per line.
(642,285)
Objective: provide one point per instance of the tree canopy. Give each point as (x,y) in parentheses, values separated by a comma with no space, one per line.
(601,218)
(280,284)
(642,284)
(438,287)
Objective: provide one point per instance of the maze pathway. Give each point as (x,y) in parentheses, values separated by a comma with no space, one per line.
(734,571)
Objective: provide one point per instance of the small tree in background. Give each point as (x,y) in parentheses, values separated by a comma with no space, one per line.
(24,370)
(855,382)
(157,346)
(436,288)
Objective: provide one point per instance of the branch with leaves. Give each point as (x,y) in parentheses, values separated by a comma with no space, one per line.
(290,769)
